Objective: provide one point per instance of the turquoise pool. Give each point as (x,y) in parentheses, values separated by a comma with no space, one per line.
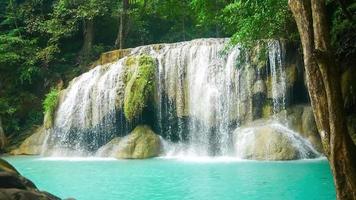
(169,179)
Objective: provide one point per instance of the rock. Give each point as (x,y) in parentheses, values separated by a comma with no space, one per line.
(2,137)
(33,144)
(309,129)
(263,140)
(7,167)
(13,186)
(291,75)
(300,118)
(140,86)
(141,143)
(107,149)
(267,110)
(18,194)
(111,56)
(259,87)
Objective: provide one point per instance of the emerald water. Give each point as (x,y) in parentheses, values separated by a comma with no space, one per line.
(169,179)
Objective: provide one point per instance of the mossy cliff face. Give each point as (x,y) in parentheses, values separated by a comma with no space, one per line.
(140,77)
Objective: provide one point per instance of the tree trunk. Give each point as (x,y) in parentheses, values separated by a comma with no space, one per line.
(119,43)
(2,137)
(88,38)
(323,81)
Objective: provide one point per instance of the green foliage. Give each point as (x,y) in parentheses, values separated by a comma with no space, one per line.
(140,87)
(51,101)
(251,20)
(343,34)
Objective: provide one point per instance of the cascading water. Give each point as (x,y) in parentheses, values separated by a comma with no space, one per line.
(203,92)
(278,75)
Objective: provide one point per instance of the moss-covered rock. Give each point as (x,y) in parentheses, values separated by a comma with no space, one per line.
(141,143)
(33,144)
(140,86)
(267,110)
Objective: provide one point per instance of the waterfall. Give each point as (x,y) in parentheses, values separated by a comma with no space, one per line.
(204,91)
(278,75)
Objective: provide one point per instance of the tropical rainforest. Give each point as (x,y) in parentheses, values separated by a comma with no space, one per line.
(44,44)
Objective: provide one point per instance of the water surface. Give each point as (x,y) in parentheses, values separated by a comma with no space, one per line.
(169,179)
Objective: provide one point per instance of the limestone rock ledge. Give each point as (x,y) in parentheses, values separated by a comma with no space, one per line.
(33,144)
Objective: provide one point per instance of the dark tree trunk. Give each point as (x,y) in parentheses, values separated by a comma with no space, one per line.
(2,137)
(88,38)
(323,80)
(119,43)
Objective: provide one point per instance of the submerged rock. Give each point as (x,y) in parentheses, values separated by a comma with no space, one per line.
(265,140)
(141,143)
(33,144)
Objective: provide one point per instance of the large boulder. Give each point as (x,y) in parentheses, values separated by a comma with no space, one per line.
(264,140)
(300,118)
(141,143)
(13,186)
(33,144)
(108,149)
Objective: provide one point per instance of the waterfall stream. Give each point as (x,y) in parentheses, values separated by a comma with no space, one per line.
(204,91)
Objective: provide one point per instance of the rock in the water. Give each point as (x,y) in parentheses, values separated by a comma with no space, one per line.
(265,140)
(107,149)
(300,118)
(33,144)
(141,143)
(7,167)
(13,186)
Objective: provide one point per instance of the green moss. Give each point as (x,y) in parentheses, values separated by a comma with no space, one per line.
(139,87)
(49,106)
